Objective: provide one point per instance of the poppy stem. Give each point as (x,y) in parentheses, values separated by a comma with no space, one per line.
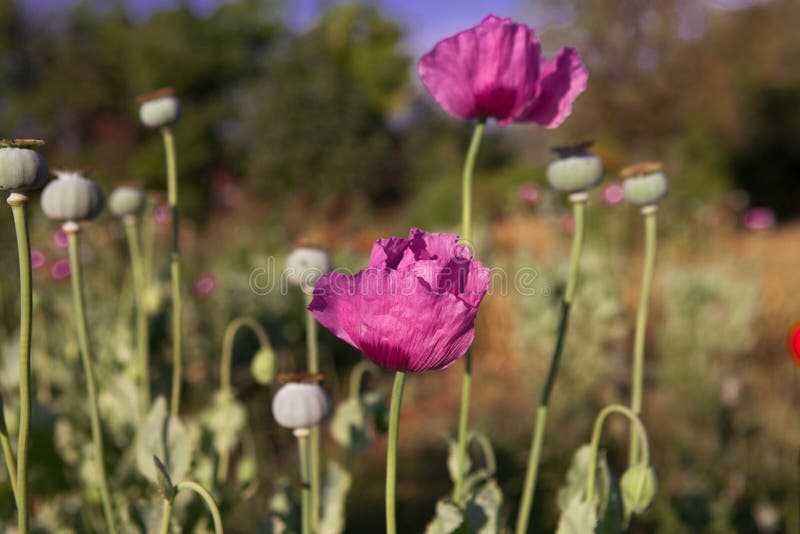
(131,224)
(312,362)
(466,237)
(391,452)
(17,202)
(649,215)
(175,271)
(579,211)
(207,498)
(302,444)
(72,229)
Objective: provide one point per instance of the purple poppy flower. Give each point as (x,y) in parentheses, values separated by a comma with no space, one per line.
(58,238)
(38,259)
(205,285)
(413,308)
(613,194)
(496,70)
(759,219)
(60,269)
(530,194)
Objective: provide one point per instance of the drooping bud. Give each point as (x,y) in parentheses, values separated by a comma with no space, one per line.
(263,366)
(576,169)
(72,197)
(645,183)
(305,265)
(301,403)
(159,108)
(127,200)
(21,168)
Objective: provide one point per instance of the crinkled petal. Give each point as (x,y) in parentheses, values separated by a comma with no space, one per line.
(562,79)
(387,253)
(394,318)
(440,247)
(465,278)
(490,70)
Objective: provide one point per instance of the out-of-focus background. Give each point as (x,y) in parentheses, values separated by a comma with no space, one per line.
(305,122)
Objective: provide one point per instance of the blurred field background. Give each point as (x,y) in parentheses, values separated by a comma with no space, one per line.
(305,123)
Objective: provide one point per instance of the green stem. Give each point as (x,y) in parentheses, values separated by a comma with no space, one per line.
(142,326)
(166,517)
(526,504)
(8,453)
(466,237)
(225,373)
(17,203)
(175,272)
(636,427)
(312,361)
(72,229)
(209,500)
(649,213)
(302,444)
(391,453)
(361,369)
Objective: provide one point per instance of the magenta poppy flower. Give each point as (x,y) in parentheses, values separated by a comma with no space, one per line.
(60,269)
(613,194)
(759,219)
(205,285)
(38,259)
(58,238)
(530,194)
(496,70)
(413,308)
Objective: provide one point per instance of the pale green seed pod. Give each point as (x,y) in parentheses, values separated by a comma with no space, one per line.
(305,265)
(160,108)
(300,405)
(263,366)
(645,184)
(576,169)
(21,169)
(72,197)
(127,200)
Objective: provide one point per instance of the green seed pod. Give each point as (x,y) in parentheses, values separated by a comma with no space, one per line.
(21,169)
(300,405)
(645,183)
(638,485)
(263,366)
(160,108)
(153,299)
(576,169)
(72,197)
(305,265)
(127,200)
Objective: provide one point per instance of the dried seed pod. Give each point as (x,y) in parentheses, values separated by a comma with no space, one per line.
(72,197)
(21,168)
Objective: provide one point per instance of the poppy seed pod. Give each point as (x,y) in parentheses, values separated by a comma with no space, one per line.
(127,201)
(21,169)
(576,169)
(305,265)
(300,405)
(72,197)
(645,183)
(263,366)
(160,108)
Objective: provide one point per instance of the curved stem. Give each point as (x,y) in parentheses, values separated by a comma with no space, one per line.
(166,517)
(302,445)
(227,346)
(17,202)
(175,272)
(466,236)
(312,362)
(637,428)
(72,229)
(488,452)
(357,374)
(391,452)
(142,326)
(526,504)
(209,500)
(649,213)
(8,453)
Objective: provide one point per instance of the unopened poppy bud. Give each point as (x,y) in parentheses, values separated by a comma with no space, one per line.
(159,108)
(127,200)
(21,169)
(645,183)
(263,366)
(72,197)
(300,405)
(305,265)
(576,169)
(153,300)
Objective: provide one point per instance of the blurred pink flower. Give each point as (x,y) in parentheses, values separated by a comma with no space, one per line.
(530,194)
(568,223)
(413,308)
(58,238)
(161,214)
(758,219)
(613,193)
(60,269)
(205,285)
(496,70)
(794,342)
(38,259)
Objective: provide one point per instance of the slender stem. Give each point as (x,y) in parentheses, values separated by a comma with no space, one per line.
(649,213)
(175,271)
(312,362)
(526,504)
(17,203)
(166,517)
(209,500)
(8,453)
(361,369)
(302,444)
(148,242)
(636,427)
(225,373)
(466,236)
(72,229)
(391,453)
(142,326)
